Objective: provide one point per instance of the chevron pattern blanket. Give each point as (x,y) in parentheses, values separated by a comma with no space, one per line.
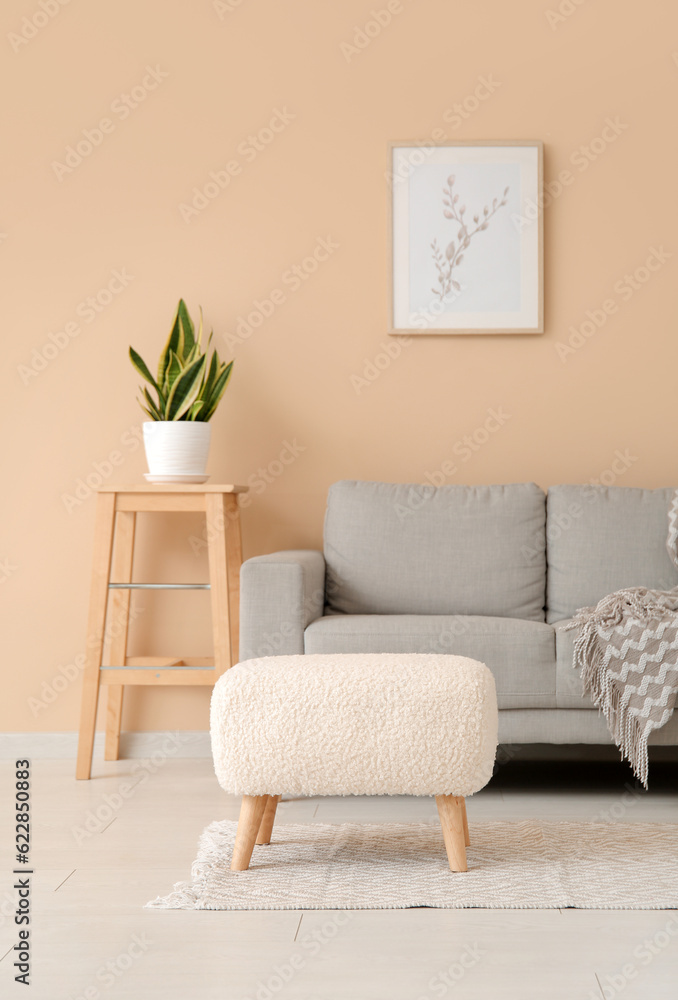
(627,651)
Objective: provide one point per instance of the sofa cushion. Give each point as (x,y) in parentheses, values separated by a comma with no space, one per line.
(520,654)
(541,725)
(604,538)
(569,688)
(457,550)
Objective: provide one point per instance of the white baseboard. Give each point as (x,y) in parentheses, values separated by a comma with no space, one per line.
(64,746)
(188,743)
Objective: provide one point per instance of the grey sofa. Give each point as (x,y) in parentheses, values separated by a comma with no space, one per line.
(488,572)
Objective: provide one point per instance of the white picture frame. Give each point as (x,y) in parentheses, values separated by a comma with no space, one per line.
(466,237)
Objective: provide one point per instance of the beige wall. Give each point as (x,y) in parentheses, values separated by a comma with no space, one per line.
(556,77)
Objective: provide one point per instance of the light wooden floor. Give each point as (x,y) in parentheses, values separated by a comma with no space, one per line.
(90,931)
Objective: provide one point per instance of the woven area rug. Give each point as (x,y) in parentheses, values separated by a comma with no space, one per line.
(529,865)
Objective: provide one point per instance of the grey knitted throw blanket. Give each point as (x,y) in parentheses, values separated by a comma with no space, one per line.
(627,651)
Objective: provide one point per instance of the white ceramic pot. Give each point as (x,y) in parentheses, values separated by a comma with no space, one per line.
(177,447)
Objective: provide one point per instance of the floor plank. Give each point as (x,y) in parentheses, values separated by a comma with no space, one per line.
(103,848)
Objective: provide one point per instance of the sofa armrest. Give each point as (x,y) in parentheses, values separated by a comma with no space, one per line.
(280,594)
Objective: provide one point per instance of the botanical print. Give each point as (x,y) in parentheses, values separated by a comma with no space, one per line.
(470,259)
(463,261)
(455,252)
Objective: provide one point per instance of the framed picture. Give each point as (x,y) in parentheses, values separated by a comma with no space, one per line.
(466,248)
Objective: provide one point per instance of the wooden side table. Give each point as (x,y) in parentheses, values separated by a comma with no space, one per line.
(115,523)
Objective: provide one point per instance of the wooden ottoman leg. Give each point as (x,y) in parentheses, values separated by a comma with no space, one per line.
(266,828)
(467,838)
(251,813)
(450,810)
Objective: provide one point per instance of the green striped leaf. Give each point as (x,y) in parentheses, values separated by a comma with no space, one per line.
(187,329)
(152,409)
(217,392)
(212,374)
(199,337)
(141,367)
(174,370)
(185,390)
(173,344)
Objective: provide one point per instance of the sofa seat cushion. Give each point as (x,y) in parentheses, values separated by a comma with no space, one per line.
(520,654)
(451,550)
(569,688)
(605,538)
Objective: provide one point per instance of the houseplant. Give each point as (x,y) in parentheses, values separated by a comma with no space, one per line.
(187,390)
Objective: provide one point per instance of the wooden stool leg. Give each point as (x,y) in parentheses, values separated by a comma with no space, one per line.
(113,721)
(233,564)
(268,819)
(121,571)
(96,624)
(452,821)
(467,839)
(215,509)
(251,813)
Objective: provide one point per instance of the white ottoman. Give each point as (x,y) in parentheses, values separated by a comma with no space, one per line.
(354,724)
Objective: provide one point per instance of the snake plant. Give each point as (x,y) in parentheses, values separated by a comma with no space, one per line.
(187,387)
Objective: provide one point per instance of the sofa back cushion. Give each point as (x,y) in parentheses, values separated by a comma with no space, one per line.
(451,550)
(604,538)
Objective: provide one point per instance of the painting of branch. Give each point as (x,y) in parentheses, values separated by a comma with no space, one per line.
(455,251)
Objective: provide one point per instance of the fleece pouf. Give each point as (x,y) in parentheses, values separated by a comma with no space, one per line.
(353,724)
